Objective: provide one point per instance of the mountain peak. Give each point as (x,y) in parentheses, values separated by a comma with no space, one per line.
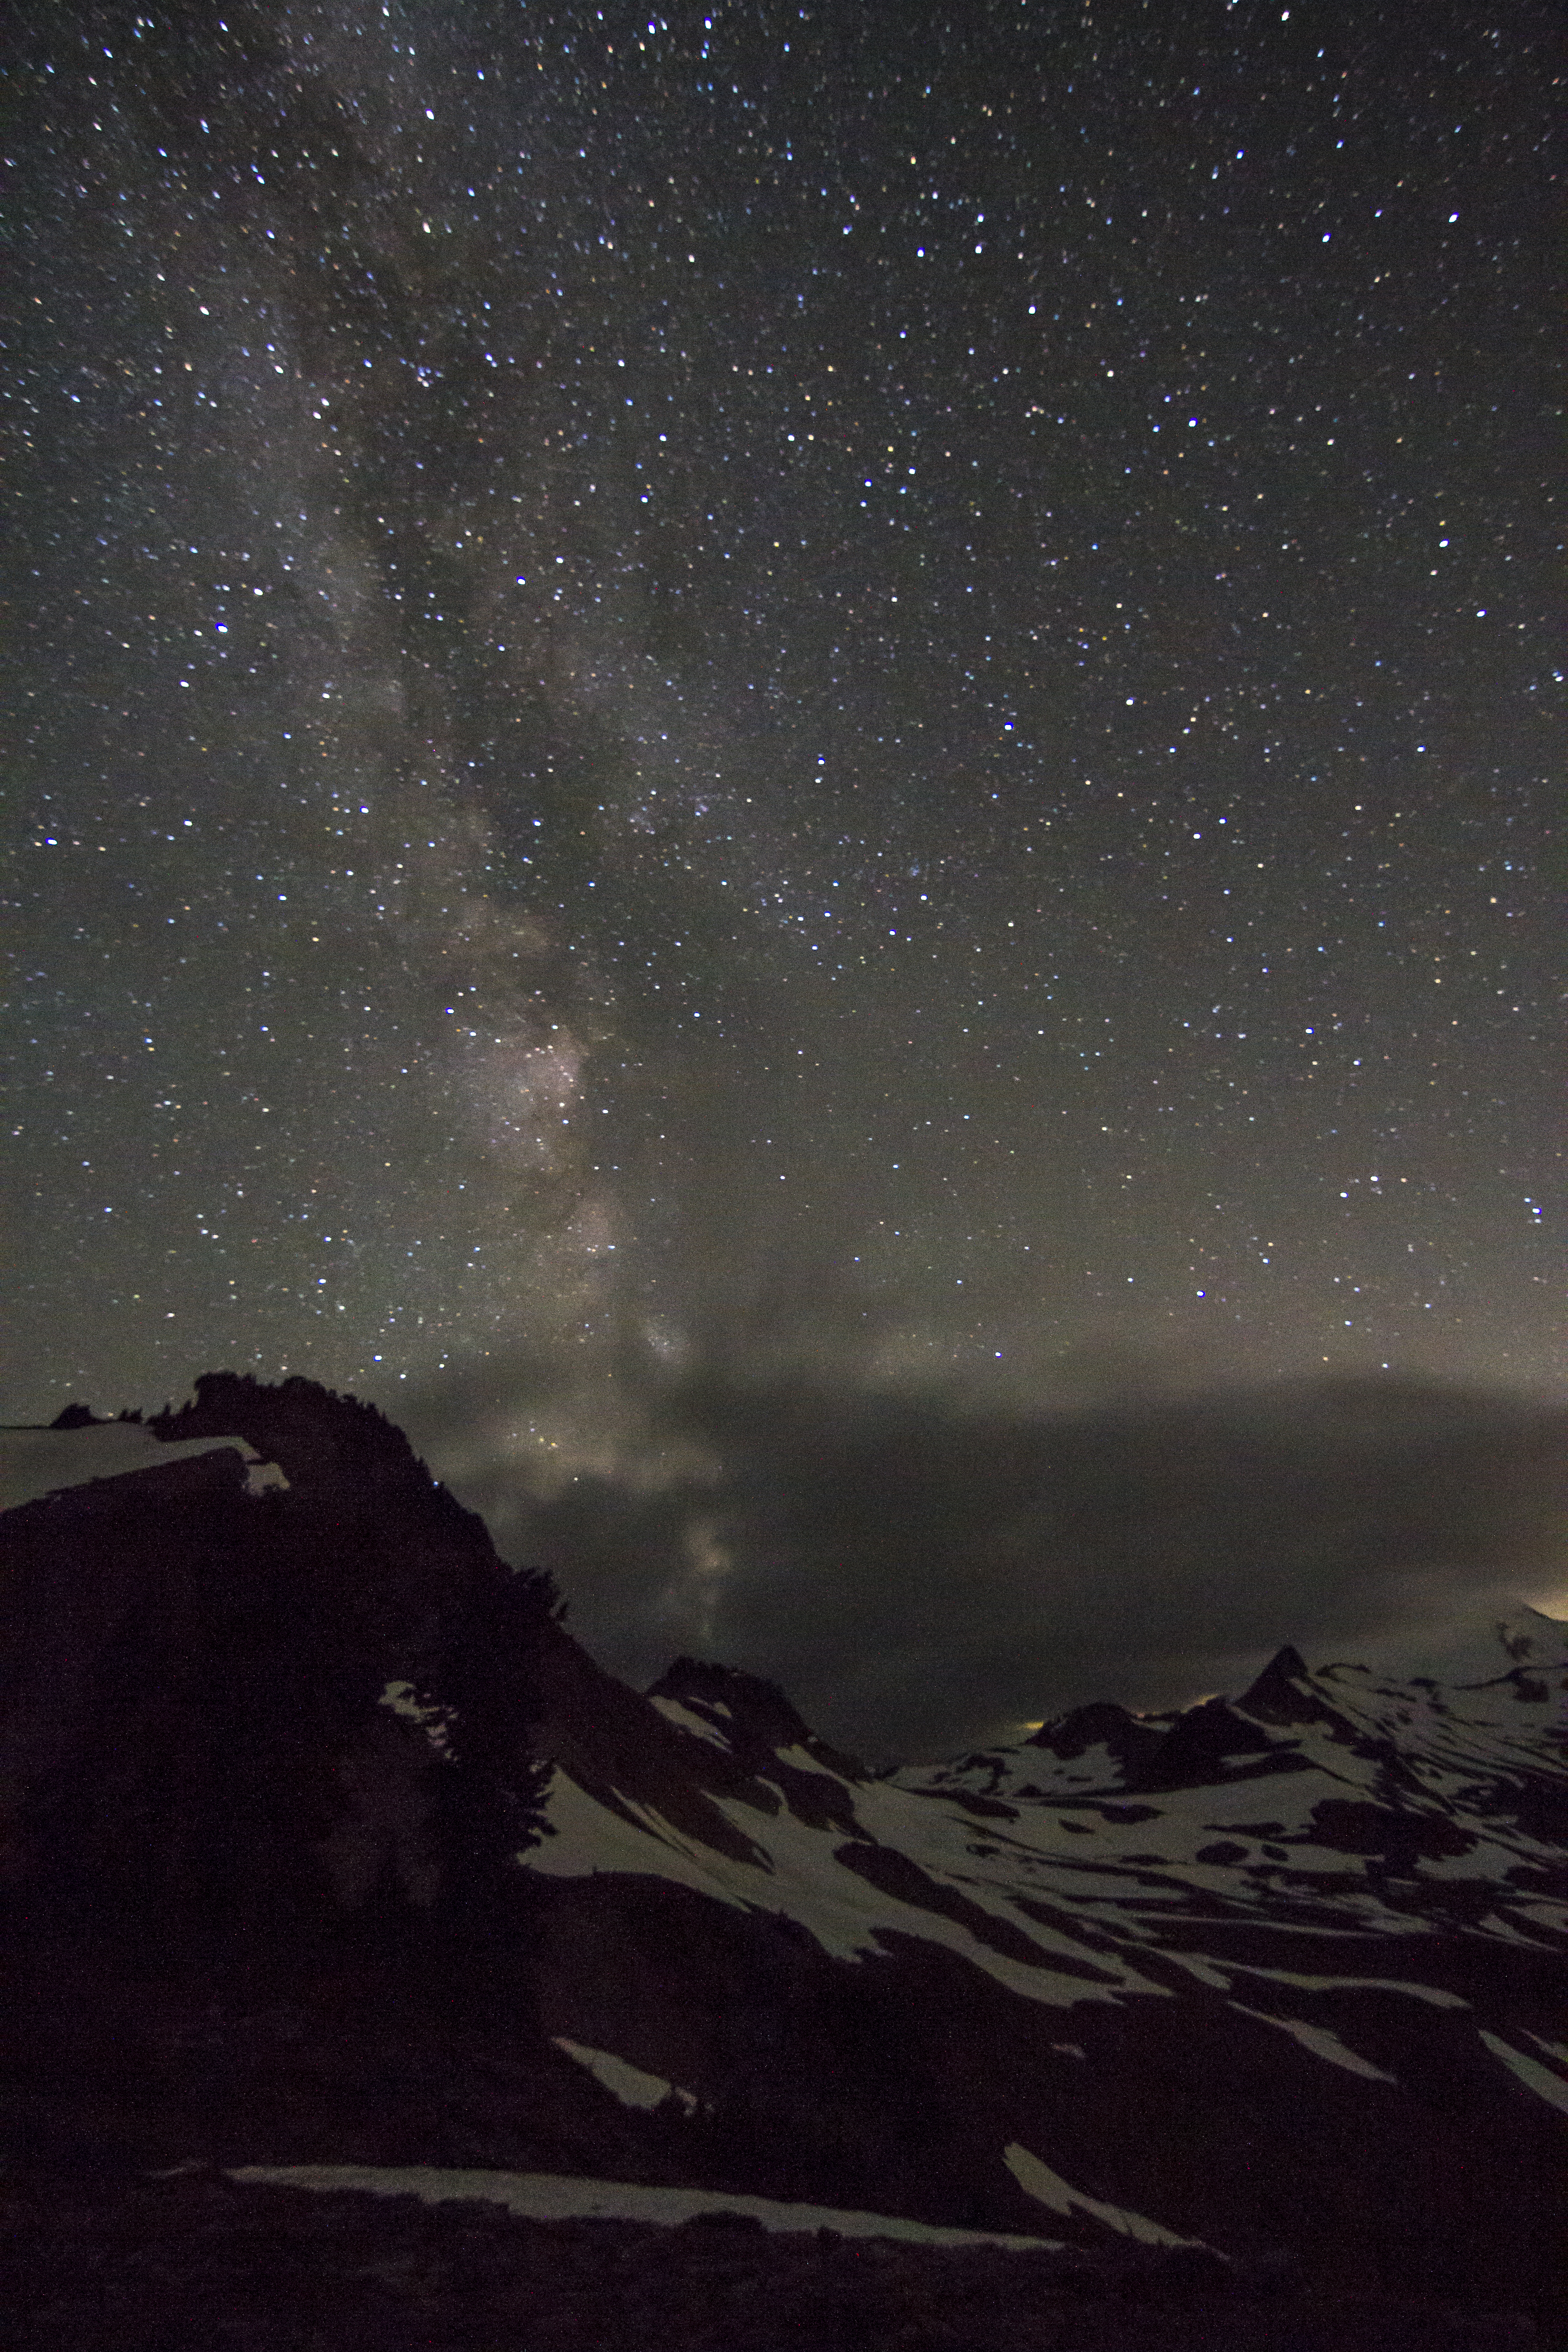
(316,1435)
(1282,1692)
(1102,1723)
(753,1704)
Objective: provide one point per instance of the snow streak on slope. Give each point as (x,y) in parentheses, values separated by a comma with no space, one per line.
(630,2084)
(1535,2077)
(1037,2180)
(556,2197)
(1320,2042)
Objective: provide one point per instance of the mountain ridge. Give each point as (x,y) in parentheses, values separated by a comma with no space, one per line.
(1282,1971)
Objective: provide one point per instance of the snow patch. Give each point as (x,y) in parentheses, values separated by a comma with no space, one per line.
(559,2196)
(1529,2070)
(1048,2187)
(589,1838)
(434,1721)
(846,1913)
(1203,1969)
(1207,1974)
(1320,2043)
(630,2084)
(807,1882)
(685,1721)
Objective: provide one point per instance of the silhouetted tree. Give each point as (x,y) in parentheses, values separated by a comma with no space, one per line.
(489,1794)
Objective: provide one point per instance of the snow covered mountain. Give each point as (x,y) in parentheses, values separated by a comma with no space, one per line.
(1285,1969)
(1281,1975)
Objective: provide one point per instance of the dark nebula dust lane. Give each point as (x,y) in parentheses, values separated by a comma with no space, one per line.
(777,695)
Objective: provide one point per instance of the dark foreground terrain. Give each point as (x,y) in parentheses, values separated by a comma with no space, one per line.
(127,2093)
(92,2263)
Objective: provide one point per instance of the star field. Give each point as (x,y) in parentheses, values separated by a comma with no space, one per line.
(810,687)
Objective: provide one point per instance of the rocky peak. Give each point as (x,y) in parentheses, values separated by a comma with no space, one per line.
(1283,1693)
(1102,1724)
(315,1436)
(744,1708)
(1209,1742)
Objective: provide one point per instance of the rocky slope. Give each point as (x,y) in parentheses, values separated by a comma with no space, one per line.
(1278,1979)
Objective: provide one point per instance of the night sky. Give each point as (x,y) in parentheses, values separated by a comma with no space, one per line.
(840,705)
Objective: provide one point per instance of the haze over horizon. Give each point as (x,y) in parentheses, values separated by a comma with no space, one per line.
(747,749)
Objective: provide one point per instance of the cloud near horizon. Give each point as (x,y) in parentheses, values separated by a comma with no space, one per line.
(921,1573)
